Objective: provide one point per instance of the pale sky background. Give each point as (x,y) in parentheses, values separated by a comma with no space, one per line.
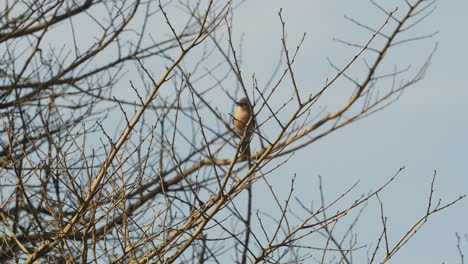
(425,130)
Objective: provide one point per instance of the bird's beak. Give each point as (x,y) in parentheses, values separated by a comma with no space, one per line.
(238,103)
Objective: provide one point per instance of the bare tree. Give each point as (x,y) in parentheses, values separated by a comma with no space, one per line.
(168,182)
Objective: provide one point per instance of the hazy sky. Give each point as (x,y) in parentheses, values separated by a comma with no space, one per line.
(425,130)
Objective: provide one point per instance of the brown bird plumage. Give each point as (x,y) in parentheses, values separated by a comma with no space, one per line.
(242,126)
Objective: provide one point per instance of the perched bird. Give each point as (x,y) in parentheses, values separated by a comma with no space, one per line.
(243,126)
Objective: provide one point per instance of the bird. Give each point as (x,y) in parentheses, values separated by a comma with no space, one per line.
(244,124)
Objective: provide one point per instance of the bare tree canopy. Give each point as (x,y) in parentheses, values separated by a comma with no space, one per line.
(113,149)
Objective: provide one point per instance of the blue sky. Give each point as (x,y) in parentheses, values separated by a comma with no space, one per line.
(424,131)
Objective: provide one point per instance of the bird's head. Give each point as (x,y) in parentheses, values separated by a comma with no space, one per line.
(244,103)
